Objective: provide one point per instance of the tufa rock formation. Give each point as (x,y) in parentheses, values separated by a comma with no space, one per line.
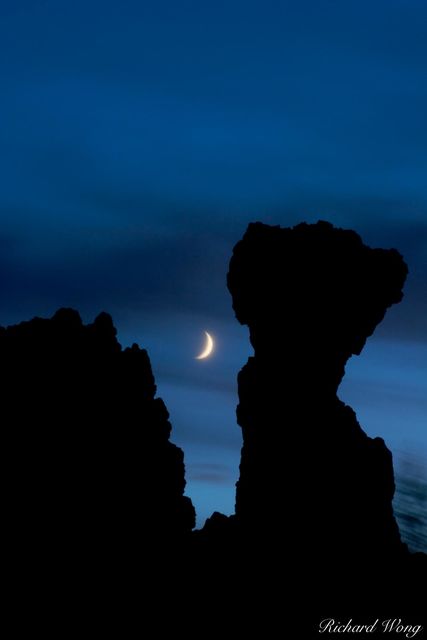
(91,476)
(310,478)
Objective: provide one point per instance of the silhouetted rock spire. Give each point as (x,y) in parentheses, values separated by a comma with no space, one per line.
(90,471)
(309,475)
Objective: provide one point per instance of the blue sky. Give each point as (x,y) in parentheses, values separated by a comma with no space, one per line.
(139,139)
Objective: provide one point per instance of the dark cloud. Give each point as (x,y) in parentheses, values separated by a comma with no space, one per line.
(211,473)
(177,263)
(381,394)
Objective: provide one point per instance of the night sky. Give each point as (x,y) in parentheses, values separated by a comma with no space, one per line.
(138,139)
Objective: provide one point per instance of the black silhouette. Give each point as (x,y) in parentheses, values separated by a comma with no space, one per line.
(90,473)
(311,295)
(314,497)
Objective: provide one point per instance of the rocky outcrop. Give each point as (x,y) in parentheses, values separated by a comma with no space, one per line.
(310,478)
(90,473)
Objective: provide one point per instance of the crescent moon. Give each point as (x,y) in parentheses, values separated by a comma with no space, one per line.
(208,347)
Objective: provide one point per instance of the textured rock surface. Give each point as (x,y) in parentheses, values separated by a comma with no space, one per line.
(311,295)
(90,472)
